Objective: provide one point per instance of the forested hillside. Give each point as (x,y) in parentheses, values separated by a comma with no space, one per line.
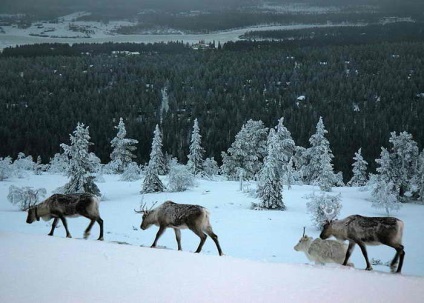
(363,93)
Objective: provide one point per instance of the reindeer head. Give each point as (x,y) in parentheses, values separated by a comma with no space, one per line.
(32,215)
(330,215)
(303,243)
(147,218)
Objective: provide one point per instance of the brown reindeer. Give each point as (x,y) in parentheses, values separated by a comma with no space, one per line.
(179,216)
(368,231)
(59,206)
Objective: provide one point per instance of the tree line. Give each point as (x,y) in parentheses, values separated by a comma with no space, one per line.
(363,92)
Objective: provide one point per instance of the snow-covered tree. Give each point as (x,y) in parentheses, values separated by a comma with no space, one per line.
(157,159)
(270,187)
(246,152)
(285,149)
(82,163)
(22,165)
(399,166)
(403,161)
(131,173)
(39,166)
(151,182)
(180,178)
(419,180)
(6,168)
(195,157)
(210,167)
(323,207)
(359,170)
(122,154)
(384,195)
(58,164)
(319,169)
(26,196)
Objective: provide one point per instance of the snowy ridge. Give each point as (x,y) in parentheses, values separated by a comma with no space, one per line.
(70,270)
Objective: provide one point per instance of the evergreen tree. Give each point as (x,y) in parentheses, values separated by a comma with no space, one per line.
(420,176)
(59,163)
(210,167)
(285,149)
(246,152)
(403,161)
(157,159)
(319,169)
(270,186)
(6,168)
(151,182)
(384,195)
(131,173)
(195,157)
(359,170)
(82,163)
(123,147)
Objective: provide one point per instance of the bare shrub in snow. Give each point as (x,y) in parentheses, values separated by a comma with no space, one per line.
(322,206)
(25,197)
(180,178)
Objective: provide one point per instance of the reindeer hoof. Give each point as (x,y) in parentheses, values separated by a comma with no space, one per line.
(100,239)
(86,236)
(368,268)
(68,236)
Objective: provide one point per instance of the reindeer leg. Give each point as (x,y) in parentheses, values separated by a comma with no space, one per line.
(178,237)
(349,252)
(364,252)
(400,254)
(214,237)
(202,237)
(68,234)
(53,226)
(87,230)
(159,233)
(100,222)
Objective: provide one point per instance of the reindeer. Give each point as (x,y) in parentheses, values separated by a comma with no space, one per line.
(322,251)
(179,216)
(59,206)
(368,231)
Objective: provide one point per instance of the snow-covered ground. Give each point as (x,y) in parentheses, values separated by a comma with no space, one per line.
(97,32)
(259,263)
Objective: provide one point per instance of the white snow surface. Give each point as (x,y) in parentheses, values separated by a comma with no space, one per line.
(260,263)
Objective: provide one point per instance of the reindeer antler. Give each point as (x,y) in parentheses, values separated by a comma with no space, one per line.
(304,228)
(142,208)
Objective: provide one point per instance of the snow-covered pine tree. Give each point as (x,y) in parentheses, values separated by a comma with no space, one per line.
(319,169)
(403,162)
(195,156)
(420,176)
(82,163)
(151,182)
(157,159)
(359,170)
(6,168)
(22,165)
(285,149)
(58,164)
(270,186)
(384,195)
(246,152)
(122,154)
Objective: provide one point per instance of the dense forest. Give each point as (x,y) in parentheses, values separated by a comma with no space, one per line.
(363,92)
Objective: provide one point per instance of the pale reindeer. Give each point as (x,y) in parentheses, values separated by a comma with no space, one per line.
(368,231)
(59,206)
(179,216)
(322,251)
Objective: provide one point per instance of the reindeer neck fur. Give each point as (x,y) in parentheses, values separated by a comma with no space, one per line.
(339,228)
(43,211)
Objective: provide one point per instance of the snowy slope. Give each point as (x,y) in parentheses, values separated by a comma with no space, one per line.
(48,269)
(260,263)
